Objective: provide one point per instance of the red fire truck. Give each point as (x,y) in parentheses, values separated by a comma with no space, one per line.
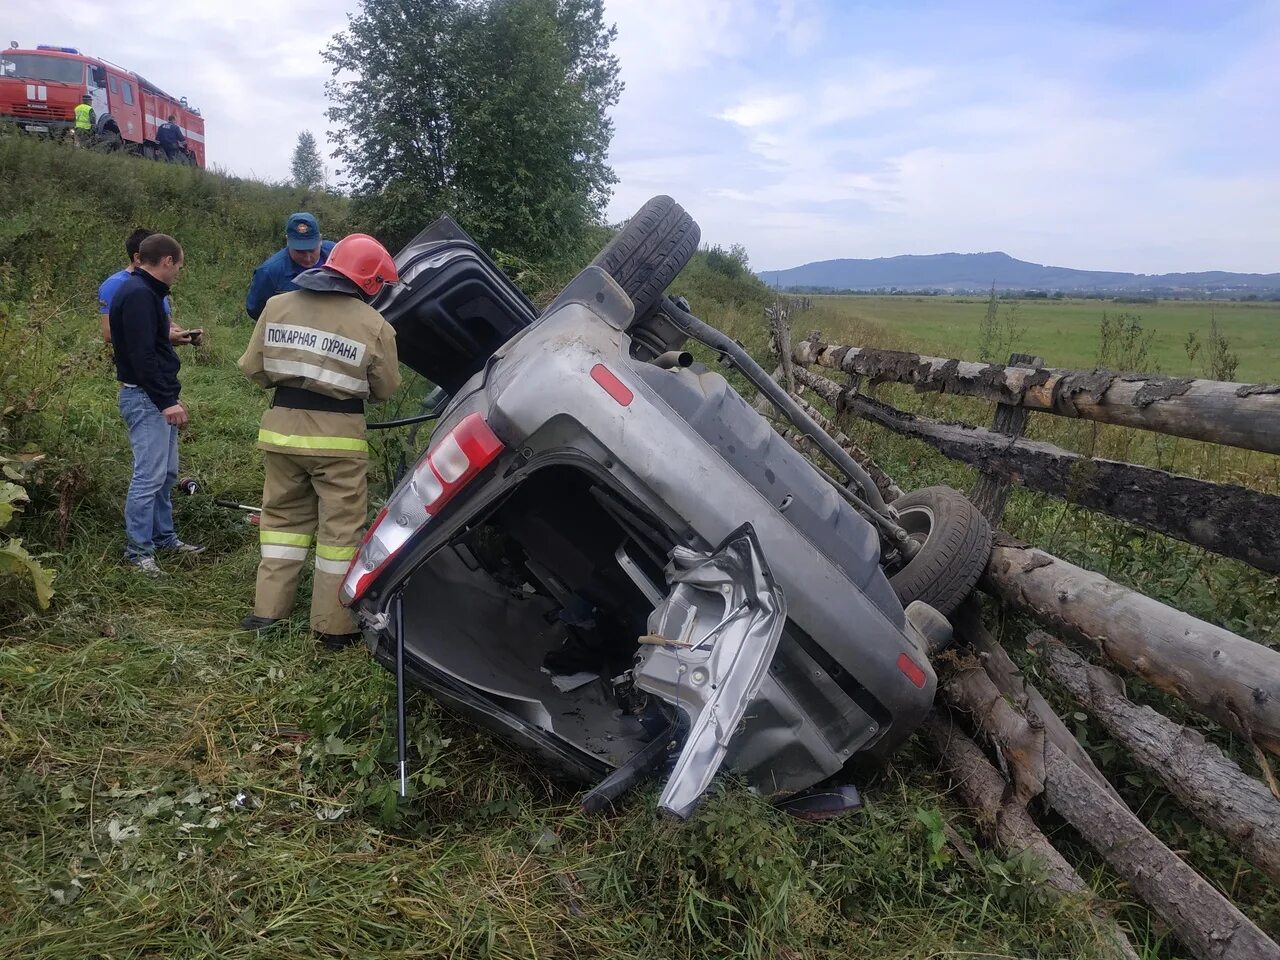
(39,90)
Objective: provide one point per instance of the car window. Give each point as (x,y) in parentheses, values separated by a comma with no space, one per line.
(127,88)
(112,80)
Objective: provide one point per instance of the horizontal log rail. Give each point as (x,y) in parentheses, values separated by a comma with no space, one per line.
(1229,520)
(1222,675)
(1236,414)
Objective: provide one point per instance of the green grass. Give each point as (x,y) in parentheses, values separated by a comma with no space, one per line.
(1063,332)
(172,787)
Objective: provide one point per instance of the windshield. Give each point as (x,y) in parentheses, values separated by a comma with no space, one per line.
(34,66)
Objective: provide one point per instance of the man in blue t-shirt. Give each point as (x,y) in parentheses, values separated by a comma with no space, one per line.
(303,250)
(113,283)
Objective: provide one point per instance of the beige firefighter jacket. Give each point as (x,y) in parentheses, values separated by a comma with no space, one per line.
(331,344)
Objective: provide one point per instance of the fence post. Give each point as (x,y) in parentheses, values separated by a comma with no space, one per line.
(780,322)
(991,491)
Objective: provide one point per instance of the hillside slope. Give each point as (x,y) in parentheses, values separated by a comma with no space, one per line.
(172,787)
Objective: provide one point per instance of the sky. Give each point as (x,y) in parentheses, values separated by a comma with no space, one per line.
(1135,136)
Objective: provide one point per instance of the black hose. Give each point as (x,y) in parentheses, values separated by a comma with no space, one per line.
(706,334)
(407,421)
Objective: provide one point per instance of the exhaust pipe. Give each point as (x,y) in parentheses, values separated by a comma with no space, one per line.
(673,359)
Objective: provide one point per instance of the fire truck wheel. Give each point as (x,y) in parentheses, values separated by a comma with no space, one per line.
(108,141)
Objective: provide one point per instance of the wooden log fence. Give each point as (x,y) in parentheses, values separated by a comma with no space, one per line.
(1227,678)
(1226,519)
(991,491)
(1237,414)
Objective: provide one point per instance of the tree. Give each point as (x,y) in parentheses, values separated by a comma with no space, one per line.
(493,111)
(307,167)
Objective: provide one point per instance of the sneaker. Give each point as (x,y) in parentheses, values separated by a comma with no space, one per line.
(191,549)
(256,624)
(146,566)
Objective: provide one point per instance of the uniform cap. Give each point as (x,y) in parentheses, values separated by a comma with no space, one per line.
(303,232)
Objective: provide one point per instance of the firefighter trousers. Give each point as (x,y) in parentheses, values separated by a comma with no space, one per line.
(306,498)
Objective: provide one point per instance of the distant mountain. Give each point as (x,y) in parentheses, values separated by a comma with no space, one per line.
(977,271)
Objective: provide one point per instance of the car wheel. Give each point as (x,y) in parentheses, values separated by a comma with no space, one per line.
(649,251)
(954,542)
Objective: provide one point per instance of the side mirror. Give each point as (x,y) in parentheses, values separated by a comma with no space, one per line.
(100,76)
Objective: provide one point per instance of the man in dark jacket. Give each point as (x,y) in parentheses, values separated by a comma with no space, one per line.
(303,250)
(147,368)
(171,137)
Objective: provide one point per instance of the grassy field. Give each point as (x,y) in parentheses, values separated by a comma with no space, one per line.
(1063,332)
(172,787)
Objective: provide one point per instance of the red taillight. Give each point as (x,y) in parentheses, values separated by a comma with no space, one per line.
(911,670)
(612,385)
(452,463)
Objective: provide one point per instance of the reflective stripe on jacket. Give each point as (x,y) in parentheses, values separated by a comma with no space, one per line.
(84,116)
(331,344)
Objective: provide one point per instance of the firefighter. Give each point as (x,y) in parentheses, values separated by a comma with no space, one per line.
(85,119)
(324,350)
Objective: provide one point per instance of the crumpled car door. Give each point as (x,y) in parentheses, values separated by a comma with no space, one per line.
(709,645)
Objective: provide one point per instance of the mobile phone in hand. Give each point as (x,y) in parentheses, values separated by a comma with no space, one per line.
(193,337)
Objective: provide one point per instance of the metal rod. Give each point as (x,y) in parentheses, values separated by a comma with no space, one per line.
(703,332)
(232,505)
(731,615)
(401,750)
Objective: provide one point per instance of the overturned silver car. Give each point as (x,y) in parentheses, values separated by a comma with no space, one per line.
(608,557)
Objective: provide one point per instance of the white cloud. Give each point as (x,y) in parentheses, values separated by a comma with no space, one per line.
(810,129)
(761,111)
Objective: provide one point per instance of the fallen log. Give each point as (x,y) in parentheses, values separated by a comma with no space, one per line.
(1209,925)
(1006,823)
(1010,681)
(1224,676)
(1227,519)
(1195,771)
(1238,414)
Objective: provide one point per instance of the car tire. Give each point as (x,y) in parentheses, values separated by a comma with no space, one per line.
(955,544)
(650,251)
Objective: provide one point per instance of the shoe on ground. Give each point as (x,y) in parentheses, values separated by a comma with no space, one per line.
(339,641)
(146,566)
(255,624)
(190,549)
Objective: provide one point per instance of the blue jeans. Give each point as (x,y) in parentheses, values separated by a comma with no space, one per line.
(148,509)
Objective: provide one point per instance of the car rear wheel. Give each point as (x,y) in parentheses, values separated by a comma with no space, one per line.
(650,251)
(954,541)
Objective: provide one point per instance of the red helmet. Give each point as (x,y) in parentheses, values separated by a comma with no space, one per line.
(363,261)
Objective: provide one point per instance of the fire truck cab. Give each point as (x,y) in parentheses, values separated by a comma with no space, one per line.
(39,90)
